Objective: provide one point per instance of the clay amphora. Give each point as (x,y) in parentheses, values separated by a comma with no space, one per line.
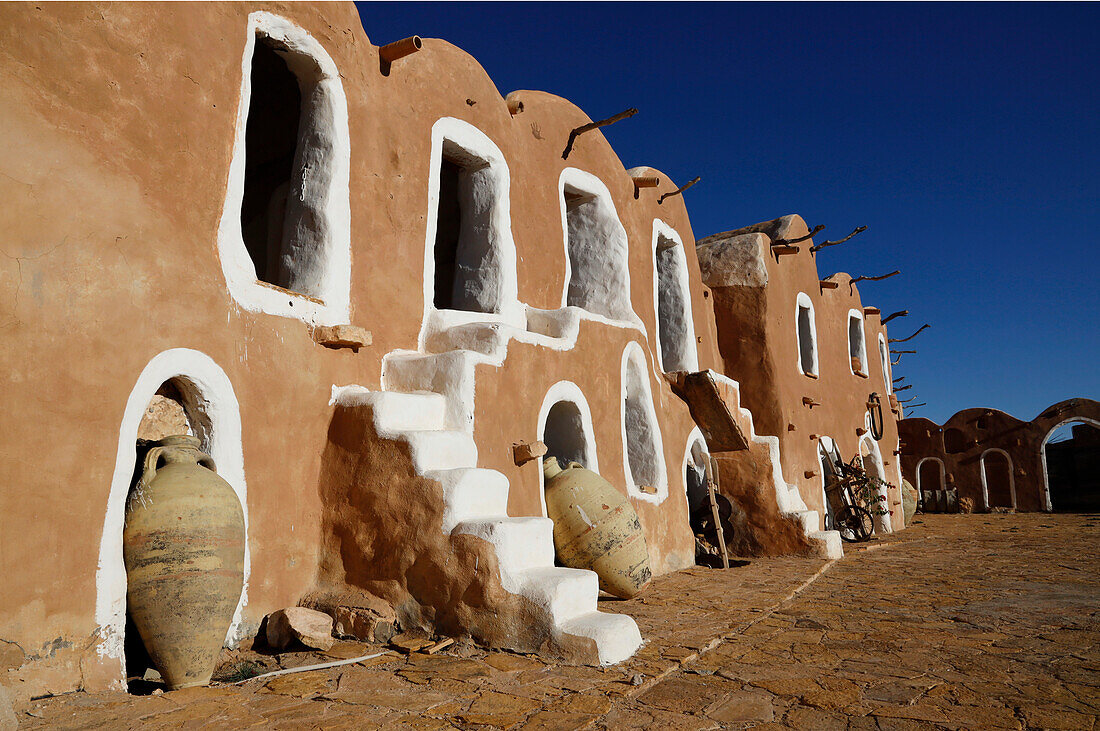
(596,528)
(184,550)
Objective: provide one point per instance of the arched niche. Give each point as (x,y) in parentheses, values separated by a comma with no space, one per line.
(806,335)
(931,483)
(213,415)
(1092,450)
(285,233)
(596,249)
(696,456)
(829,461)
(675,331)
(998,483)
(873,465)
(643,451)
(565,427)
(884,359)
(857,344)
(954,441)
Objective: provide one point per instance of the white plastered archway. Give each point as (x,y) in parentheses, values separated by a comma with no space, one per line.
(857,316)
(884,358)
(882,522)
(223,442)
(497,228)
(826,444)
(943,475)
(695,451)
(682,353)
(569,392)
(641,432)
(985,478)
(326,189)
(803,302)
(1047,505)
(602,289)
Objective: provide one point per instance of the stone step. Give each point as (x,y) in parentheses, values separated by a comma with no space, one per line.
(564,593)
(470,493)
(450,374)
(397,412)
(488,338)
(521,544)
(441,449)
(829,543)
(616,635)
(810,520)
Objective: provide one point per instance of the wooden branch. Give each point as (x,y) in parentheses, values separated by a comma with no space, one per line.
(594,125)
(781,242)
(899,313)
(876,279)
(902,351)
(680,190)
(907,400)
(917,406)
(923,327)
(823,244)
(899,379)
(903,388)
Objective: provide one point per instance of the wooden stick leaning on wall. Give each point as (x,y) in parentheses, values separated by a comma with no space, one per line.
(710,472)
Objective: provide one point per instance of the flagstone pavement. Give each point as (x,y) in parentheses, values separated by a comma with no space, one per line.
(959,622)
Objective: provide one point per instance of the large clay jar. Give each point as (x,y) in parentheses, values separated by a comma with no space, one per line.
(908,501)
(596,528)
(184,551)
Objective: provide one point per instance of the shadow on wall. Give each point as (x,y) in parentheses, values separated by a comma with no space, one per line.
(382,534)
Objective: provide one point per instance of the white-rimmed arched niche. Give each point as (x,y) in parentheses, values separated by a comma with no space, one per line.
(285,233)
(857,344)
(806,335)
(871,456)
(643,450)
(696,456)
(214,414)
(675,331)
(1048,501)
(829,461)
(931,481)
(469,253)
(998,482)
(597,271)
(565,427)
(884,359)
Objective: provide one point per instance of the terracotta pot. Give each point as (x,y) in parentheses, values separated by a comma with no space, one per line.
(596,528)
(184,550)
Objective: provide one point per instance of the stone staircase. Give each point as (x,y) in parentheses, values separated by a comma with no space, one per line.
(427,402)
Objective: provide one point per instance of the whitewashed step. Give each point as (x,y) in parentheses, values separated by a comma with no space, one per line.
(488,338)
(829,543)
(565,593)
(471,492)
(444,449)
(616,635)
(521,543)
(394,412)
(809,519)
(450,374)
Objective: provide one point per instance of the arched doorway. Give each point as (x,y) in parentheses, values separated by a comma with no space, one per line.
(872,463)
(565,427)
(930,480)
(998,486)
(1071,466)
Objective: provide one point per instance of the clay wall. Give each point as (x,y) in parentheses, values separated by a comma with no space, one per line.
(972,445)
(756,297)
(121,122)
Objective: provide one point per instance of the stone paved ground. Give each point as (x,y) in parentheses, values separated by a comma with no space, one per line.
(960,622)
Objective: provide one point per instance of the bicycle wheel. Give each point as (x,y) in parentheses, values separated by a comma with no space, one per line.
(854,523)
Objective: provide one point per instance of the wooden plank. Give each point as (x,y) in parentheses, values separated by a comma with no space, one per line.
(711,404)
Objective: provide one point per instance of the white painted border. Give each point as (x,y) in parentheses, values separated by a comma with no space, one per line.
(916,475)
(827,444)
(633,353)
(803,300)
(1047,505)
(237,266)
(1011,476)
(857,315)
(592,185)
(220,405)
(882,522)
(571,392)
(662,229)
(884,359)
(478,144)
(695,435)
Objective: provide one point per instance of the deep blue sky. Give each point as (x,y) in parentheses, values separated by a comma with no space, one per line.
(966,137)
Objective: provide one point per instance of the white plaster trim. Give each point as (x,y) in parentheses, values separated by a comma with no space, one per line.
(335,263)
(690,354)
(1011,476)
(634,358)
(219,404)
(1047,505)
(826,444)
(858,316)
(477,144)
(884,357)
(571,392)
(591,185)
(803,301)
(696,435)
(882,522)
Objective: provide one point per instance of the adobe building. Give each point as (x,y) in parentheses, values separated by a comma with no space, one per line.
(985,459)
(808,355)
(366,282)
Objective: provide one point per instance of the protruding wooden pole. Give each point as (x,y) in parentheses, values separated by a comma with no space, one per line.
(399,49)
